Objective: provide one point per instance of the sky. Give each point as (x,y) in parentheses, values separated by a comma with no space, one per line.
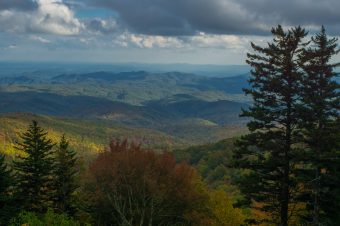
(151,31)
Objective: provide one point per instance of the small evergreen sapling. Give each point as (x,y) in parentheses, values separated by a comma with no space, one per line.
(65,182)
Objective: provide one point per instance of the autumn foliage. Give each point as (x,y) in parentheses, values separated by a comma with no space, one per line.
(127,185)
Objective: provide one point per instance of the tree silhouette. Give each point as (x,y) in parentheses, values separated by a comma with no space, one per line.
(267,153)
(34,169)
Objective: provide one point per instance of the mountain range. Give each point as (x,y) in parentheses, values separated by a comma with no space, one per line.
(185,106)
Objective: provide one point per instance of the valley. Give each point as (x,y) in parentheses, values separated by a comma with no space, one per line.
(160,110)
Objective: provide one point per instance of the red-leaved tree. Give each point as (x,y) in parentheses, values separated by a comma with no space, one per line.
(127,185)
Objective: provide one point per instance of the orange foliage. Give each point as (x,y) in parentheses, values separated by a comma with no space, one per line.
(267,219)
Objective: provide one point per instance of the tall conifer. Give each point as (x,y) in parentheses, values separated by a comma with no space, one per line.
(319,115)
(267,152)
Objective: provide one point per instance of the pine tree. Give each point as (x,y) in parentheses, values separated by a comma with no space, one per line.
(34,169)
(319,116)
(267,152)
(6,180)
(65,184)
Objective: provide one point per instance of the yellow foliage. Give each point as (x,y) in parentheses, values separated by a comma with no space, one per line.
(224,214)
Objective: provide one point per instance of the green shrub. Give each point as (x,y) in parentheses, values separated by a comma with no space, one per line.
(48,219)
(27,218)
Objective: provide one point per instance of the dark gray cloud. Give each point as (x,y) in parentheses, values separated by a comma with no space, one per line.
(310,13)
(306,12)
(101,26)
(256,17)
(188,17)
(182,17)
(18,4)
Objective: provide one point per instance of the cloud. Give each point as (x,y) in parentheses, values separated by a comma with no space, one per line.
(308,13)
(198,31)
(147,41)
(305,12)
(49,17)
(189,17)
(201,40)
(235,42)
(167,18)
(101,26)
(12,46)
(182,17)
(40,39)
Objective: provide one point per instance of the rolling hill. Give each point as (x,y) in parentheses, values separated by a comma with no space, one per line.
(135,87)
(152,114)
(85,136)
(91,136)
(161,109)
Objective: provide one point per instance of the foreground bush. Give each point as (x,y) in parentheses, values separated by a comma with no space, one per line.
(48,219)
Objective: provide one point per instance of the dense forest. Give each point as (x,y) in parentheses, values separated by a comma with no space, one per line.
(283,171)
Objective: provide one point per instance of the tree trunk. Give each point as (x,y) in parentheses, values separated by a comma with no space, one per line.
(316,198)
(285,198)
(286,170)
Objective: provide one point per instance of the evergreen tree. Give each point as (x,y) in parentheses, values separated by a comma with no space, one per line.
(267,152)
(34,169)
(319,116)
(6,207)
(65,184)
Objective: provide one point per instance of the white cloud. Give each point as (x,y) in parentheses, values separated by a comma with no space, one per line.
(40,39)
(85,40)
(147,41)
(50,16)
(13,46)
(54,17)
(203,40)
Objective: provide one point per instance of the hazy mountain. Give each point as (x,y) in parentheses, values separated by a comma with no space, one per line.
(53,69)
(135,87)
(185,106)
(169,110)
